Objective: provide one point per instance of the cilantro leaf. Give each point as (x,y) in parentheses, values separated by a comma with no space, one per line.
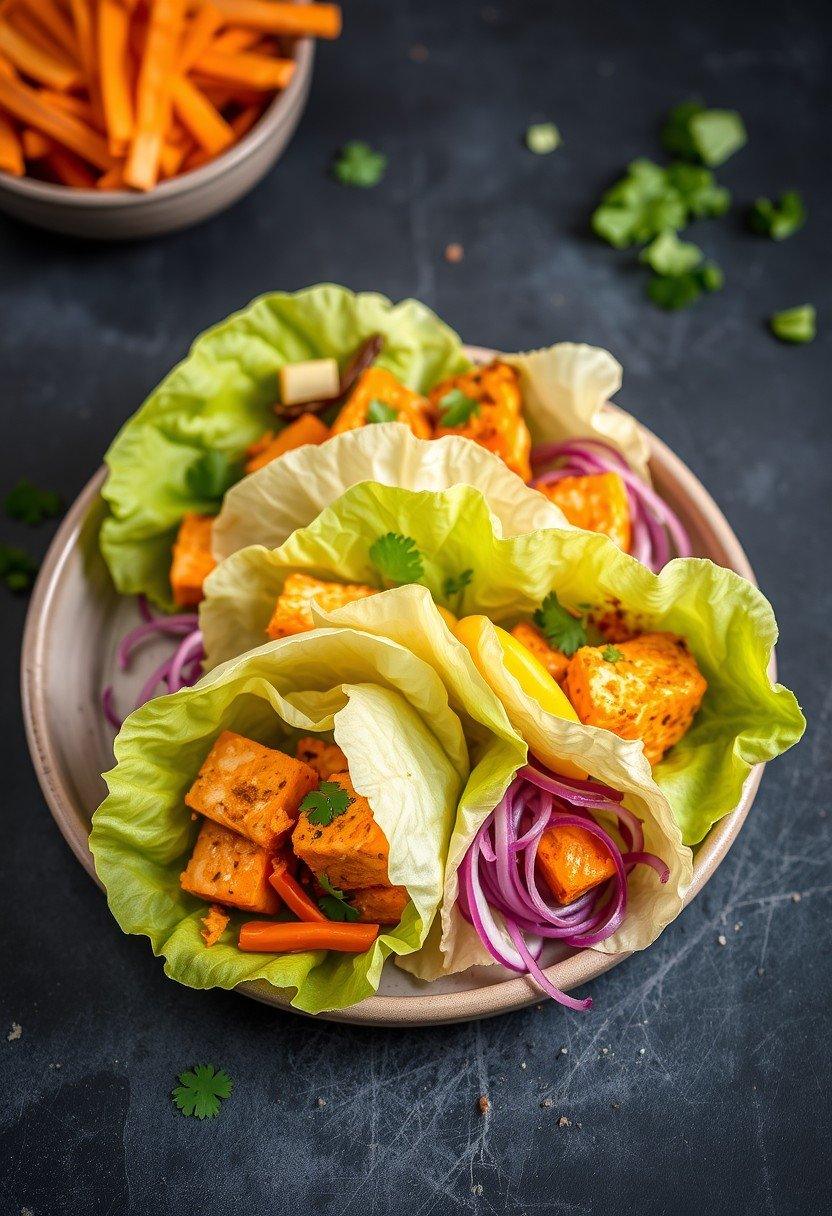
(17,568)
(397,559)
(455,584)
(380,411)
(697,186)
(697,133)
(778,220)
(333,905)
(676,135)
(358,165)
(31,505)
(611,654)
(210,475)
(457,408)
(542,138)
(641,205)
(677,291)
(560,628)
(326,803)
(667,255)
(795,324)
(200,1092)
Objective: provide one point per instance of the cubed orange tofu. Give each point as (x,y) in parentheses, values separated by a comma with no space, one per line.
(555,661)
(214,924)
(325,758)
(228,869)
(572,862)
(377,384)
(306,429)
(597,502)
(351,851)
(651,693)
(380,905)
(293,610)
(497,424)
(192,559)
(251,789)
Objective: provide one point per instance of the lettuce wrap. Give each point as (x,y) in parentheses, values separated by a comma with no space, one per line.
(728,624)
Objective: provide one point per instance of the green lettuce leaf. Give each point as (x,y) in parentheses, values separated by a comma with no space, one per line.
(407,754)
(727,622)
(219,400)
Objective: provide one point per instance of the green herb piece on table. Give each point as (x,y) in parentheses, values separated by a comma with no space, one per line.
(358,165)
(678,291)
(326,803)
(560,628)
(778,220)
(333,905)
(700,193)
(457,408)
(31,505)
(639,206)
(200,1092)
(17,568)
(397,559)
(611,654)
(696,133)
(542,138)
(380,411)
(667,255)
(795,324)
(210,476)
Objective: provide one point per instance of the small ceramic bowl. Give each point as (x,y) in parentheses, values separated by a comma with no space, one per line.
(125,215)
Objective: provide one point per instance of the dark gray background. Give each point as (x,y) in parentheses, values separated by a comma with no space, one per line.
(701,1079)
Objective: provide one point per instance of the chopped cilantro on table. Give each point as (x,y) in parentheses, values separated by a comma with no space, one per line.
(357,164)
(17,568)
(200,1092)
(698,188)
(333,905)
(667,255)
(457,408)
(639,206)
(542,138)
(795,324)
(672,291)
(778,220)
(611,654)
(694,132)
(31,505)
(211,475)
(561,629)
(380,411)
(397,559)
(326,803)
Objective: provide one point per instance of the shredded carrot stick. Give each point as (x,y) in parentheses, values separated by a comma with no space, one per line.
(55,22)
(155,79)
(113,179)
(84,34)
(31,29)
(116,73)
(293,894)
(35,145)
(69,169)
(25,105)
(11,150)
(233,40)
(173,156)
(245,120)
(78,107)
(294,20)
(200,35)
(247,70)
(35,62)
(286,937)
(206,124)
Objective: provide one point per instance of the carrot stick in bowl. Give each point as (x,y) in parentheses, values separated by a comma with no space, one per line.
(24,104)
(289,937)
(55,22)
(153,103)
(246,69)
(115,72)
(293,20)
(35,61)
(200,118)
(11,151)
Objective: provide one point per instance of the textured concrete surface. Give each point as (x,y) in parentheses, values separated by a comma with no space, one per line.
(701,1079)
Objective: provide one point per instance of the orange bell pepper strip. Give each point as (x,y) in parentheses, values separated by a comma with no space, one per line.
(290,937)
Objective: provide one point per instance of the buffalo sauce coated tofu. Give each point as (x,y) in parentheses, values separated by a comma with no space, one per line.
(597,502)
(251,789)
(376,384)
(497,423)
(228,869)
(380,905)
(572,861)
(293,610)
(304,430)
(192,559)
(555,661)
(351,851)
(650,693)
(325,758)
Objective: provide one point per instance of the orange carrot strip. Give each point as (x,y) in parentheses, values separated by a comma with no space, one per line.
(230,41)
(34,32)
(194,110)
(295,20)
(69,169)
(288,937)
(173,156)
(293,894)
(115,73)
(199,35)
(155,79)
(245,120)
(35,62)
(56,24)
(247,70)
(26,105)
(84,34)
(35,145)
(11,149)
(78,107)
(113,179)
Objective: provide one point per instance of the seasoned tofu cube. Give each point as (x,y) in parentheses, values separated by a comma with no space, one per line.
(351,850)
(325,758)
(293,610)
(251,789)
(376,384)
(380,905)
(651,693)
(214,924)
(192,559)
(555,661)
(597,502)
(228,869)
(572,862)
(306,429)
(496,422)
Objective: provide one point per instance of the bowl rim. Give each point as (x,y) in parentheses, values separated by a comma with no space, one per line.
(281,105)
(486,1000)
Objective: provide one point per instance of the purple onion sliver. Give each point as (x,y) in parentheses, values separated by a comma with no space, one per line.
(539,976)
(641,858)
(108,706)
(189,650)
(148,689)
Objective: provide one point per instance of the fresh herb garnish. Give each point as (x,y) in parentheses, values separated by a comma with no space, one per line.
(17,568)
(31,505)
(333,905)
(210,475)
(697,133)
(639,206)
(200,1092)
(326,803)
(457,408)
(795,324)
(560,628)
(455,584)
(698,189)
(397,559)
(542,138)
(667,255)
(380,411)
(778,220)
(358,165)
(677,291)
(611,654)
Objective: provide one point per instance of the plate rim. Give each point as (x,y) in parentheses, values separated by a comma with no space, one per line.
(488,1000)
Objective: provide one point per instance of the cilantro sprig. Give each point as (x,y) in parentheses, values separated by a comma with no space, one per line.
(611,654)
(457,408)
(397,559)
(31,505)
(697,133)
(357,164)
(796,325)
(380,411)
(778,220)
(17,568)
(201,1092)
(561,629)
(454,585)
(326,803)
(334,905)
(210,475)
